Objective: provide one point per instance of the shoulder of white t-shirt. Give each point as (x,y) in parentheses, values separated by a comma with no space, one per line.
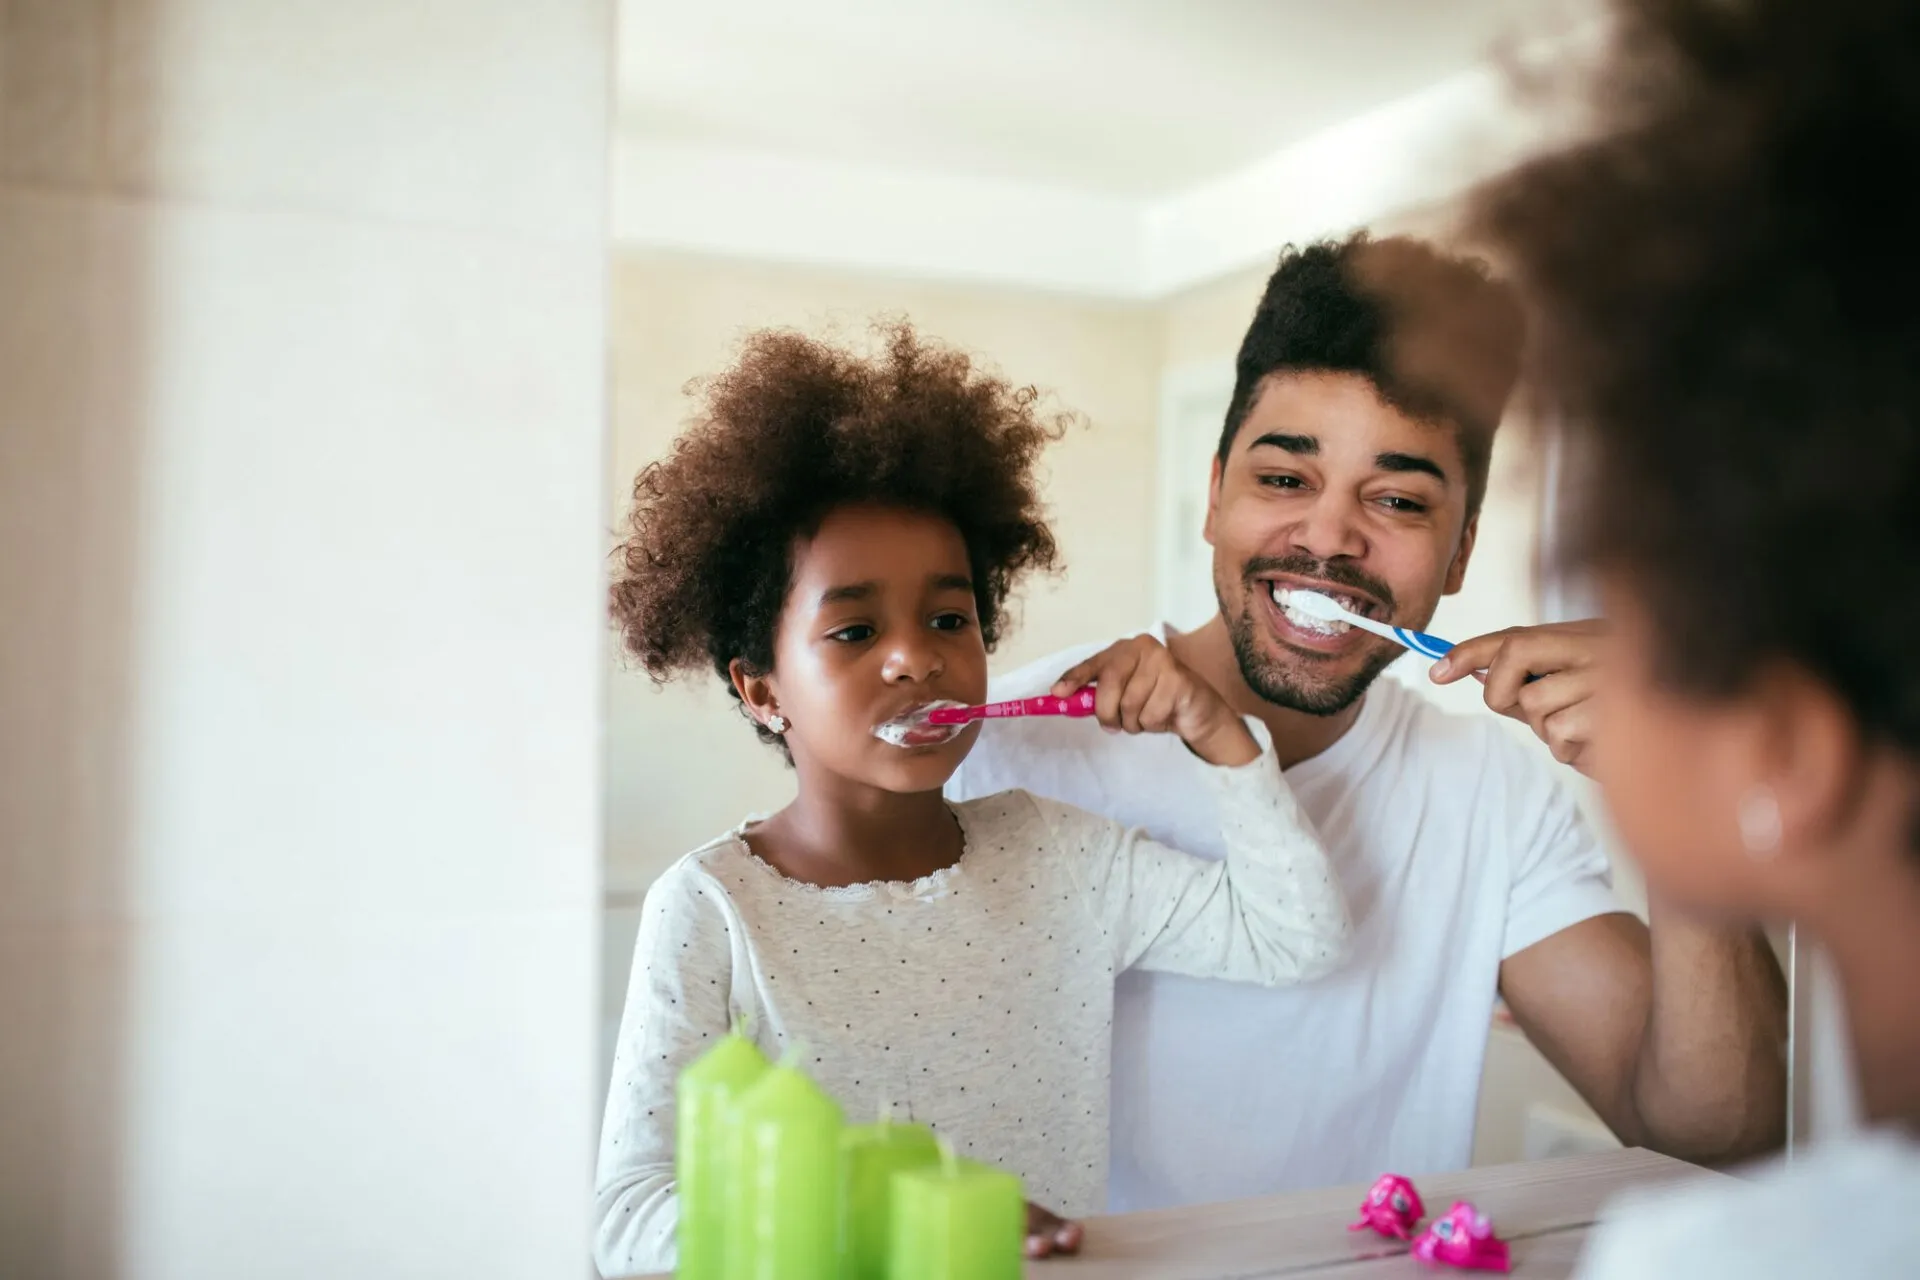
(1472,740)
(1845,1201)
(1037,676)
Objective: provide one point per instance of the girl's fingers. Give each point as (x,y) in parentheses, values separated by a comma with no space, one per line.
(1048,1233)
(1063,1239)
(1110,682)
(1134,698)
(1158,715)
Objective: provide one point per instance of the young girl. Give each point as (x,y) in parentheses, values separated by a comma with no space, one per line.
(836,538)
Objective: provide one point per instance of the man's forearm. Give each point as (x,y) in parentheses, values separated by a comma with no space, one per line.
(1710,1083)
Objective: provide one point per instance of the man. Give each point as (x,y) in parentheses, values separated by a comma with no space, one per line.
(1353,460)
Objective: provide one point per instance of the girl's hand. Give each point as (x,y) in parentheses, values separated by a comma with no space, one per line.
(1141,688)
(1048,1233)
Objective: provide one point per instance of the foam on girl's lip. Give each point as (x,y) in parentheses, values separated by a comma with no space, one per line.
(912,730)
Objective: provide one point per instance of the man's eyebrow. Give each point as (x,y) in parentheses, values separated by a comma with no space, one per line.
(1410,462)
(1306,446)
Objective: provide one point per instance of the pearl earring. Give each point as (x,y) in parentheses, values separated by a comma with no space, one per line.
(1759,817)
(777,723)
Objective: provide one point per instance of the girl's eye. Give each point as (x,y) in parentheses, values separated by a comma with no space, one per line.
(854,634)
(951,622)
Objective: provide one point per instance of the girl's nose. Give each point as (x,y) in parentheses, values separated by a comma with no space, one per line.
(913,660)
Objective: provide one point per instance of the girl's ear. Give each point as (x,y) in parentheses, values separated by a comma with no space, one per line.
(756,691)
(1813,760)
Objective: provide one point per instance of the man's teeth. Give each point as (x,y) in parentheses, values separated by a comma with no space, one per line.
(1282,596)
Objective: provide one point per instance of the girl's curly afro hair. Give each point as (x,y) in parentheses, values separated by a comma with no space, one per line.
(1724,283)
(795,429)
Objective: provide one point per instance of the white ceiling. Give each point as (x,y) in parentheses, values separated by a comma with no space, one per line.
(1128,98)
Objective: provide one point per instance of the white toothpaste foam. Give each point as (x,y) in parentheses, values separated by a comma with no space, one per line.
(912,729)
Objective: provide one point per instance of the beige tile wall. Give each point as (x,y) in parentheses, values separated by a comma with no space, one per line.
(302,370)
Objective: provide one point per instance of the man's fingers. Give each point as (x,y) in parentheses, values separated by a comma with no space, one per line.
(1541,650)
(1567,732)
(1505,678)
(1468,657)
(1543,697)
(1524,657)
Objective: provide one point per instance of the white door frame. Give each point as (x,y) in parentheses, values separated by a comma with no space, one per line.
(1191,393)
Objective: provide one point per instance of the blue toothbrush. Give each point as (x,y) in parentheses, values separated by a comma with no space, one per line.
(1327,609)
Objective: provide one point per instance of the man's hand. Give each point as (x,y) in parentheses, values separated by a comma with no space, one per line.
(1561,660)
(1142,688)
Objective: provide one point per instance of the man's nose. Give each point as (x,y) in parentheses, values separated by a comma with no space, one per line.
(1330,528)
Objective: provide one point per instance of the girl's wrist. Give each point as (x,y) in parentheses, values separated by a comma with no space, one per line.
(1227,744)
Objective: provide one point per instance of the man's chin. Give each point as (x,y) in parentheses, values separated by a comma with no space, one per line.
(1303,682)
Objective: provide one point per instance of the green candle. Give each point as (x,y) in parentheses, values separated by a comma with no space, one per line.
(703,1150)
(957,1220)
(785,1221)
(872,1154)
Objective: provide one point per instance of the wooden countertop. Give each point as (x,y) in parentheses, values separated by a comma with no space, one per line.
(1543,1209)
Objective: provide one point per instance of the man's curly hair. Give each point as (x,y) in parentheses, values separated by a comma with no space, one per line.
(1728,303)
(1437,337)
(795,429)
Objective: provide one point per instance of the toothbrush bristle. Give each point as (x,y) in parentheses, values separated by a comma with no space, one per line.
(1316,605)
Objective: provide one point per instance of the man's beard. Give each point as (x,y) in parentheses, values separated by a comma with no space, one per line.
(1271,678)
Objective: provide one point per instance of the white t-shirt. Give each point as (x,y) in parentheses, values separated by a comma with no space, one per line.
(1852,1210)
(1457,845)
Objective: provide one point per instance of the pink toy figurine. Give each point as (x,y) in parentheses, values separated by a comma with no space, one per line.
(1462,1237)
(1392,1208)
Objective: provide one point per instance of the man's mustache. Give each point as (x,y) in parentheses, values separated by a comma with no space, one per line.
(1338,572)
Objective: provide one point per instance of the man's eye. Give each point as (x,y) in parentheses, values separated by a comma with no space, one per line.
(1407,505)
(852,635)
(952,622)
(1283,482)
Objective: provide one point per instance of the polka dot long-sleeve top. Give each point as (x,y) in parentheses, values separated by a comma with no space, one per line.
(977,1001)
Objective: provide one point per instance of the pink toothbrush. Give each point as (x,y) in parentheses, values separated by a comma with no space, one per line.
(1078,703)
